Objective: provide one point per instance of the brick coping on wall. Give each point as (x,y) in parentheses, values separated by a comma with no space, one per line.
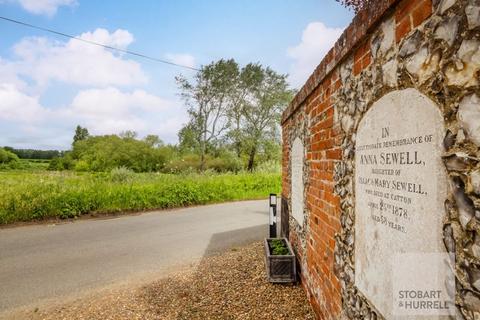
(354,34)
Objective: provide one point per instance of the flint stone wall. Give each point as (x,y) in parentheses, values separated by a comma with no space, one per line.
(432,47)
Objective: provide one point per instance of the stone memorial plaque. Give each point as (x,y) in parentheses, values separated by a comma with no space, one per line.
(400,189)
(297,158)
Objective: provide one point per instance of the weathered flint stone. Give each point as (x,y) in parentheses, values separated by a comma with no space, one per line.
(459,161)
(472,301)
(469,117)
(448,238)
(449,140)
(460,136)
(389,70)
(466,210)
(475,181)
(463,72)
(388,32)
(347,123)
(447,30)
(476,247)
(444,5)
(472,11)
(474,275)
(411,45)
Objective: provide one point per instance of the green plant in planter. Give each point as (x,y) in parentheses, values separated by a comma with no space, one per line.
(279,248)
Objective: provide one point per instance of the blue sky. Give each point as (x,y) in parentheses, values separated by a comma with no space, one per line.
(49,84)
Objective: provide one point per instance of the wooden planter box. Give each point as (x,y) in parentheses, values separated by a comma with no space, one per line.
(280,268)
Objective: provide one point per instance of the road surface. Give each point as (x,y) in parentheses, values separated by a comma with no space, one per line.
(55,261)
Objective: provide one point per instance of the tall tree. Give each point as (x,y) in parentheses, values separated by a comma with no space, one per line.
(153,141)
(188,139)
(7,156)
(128,134)
(80,134)
(208,98)
(244,83)
(267,94)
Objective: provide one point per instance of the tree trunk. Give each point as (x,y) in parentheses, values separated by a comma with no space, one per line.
(203,149)
(238,142)
(202,162)
(238,149)
(202,156)
(202,159)
(251,158)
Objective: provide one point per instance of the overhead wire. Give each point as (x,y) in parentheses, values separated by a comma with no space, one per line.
(133,53)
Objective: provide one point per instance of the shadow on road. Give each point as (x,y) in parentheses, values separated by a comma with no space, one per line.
(230,285)
(220,242)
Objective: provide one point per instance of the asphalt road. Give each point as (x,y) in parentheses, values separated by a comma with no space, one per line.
(54,261)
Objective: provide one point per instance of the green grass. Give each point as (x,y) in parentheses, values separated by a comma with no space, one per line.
(26,196)
(26,165)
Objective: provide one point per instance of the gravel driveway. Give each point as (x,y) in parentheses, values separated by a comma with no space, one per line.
(230,285)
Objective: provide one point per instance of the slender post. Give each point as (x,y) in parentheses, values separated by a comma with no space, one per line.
(273,215)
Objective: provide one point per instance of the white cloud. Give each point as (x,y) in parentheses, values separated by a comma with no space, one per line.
(183,59)
(8,74)
(317,39)
(102,111)
(107,92)
(18,107)
(75,62)
(119,39)
(168,128)
(109,110)
(44,7)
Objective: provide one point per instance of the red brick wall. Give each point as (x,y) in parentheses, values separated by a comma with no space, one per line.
(410,14)
(321,203)
(315,246)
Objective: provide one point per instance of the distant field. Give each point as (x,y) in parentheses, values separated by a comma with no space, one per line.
(26,196)
(27,165)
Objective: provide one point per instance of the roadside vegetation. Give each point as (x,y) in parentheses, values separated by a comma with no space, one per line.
(228,150)
(38,196)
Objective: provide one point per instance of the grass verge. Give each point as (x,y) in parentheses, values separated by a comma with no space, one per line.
(28,196)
